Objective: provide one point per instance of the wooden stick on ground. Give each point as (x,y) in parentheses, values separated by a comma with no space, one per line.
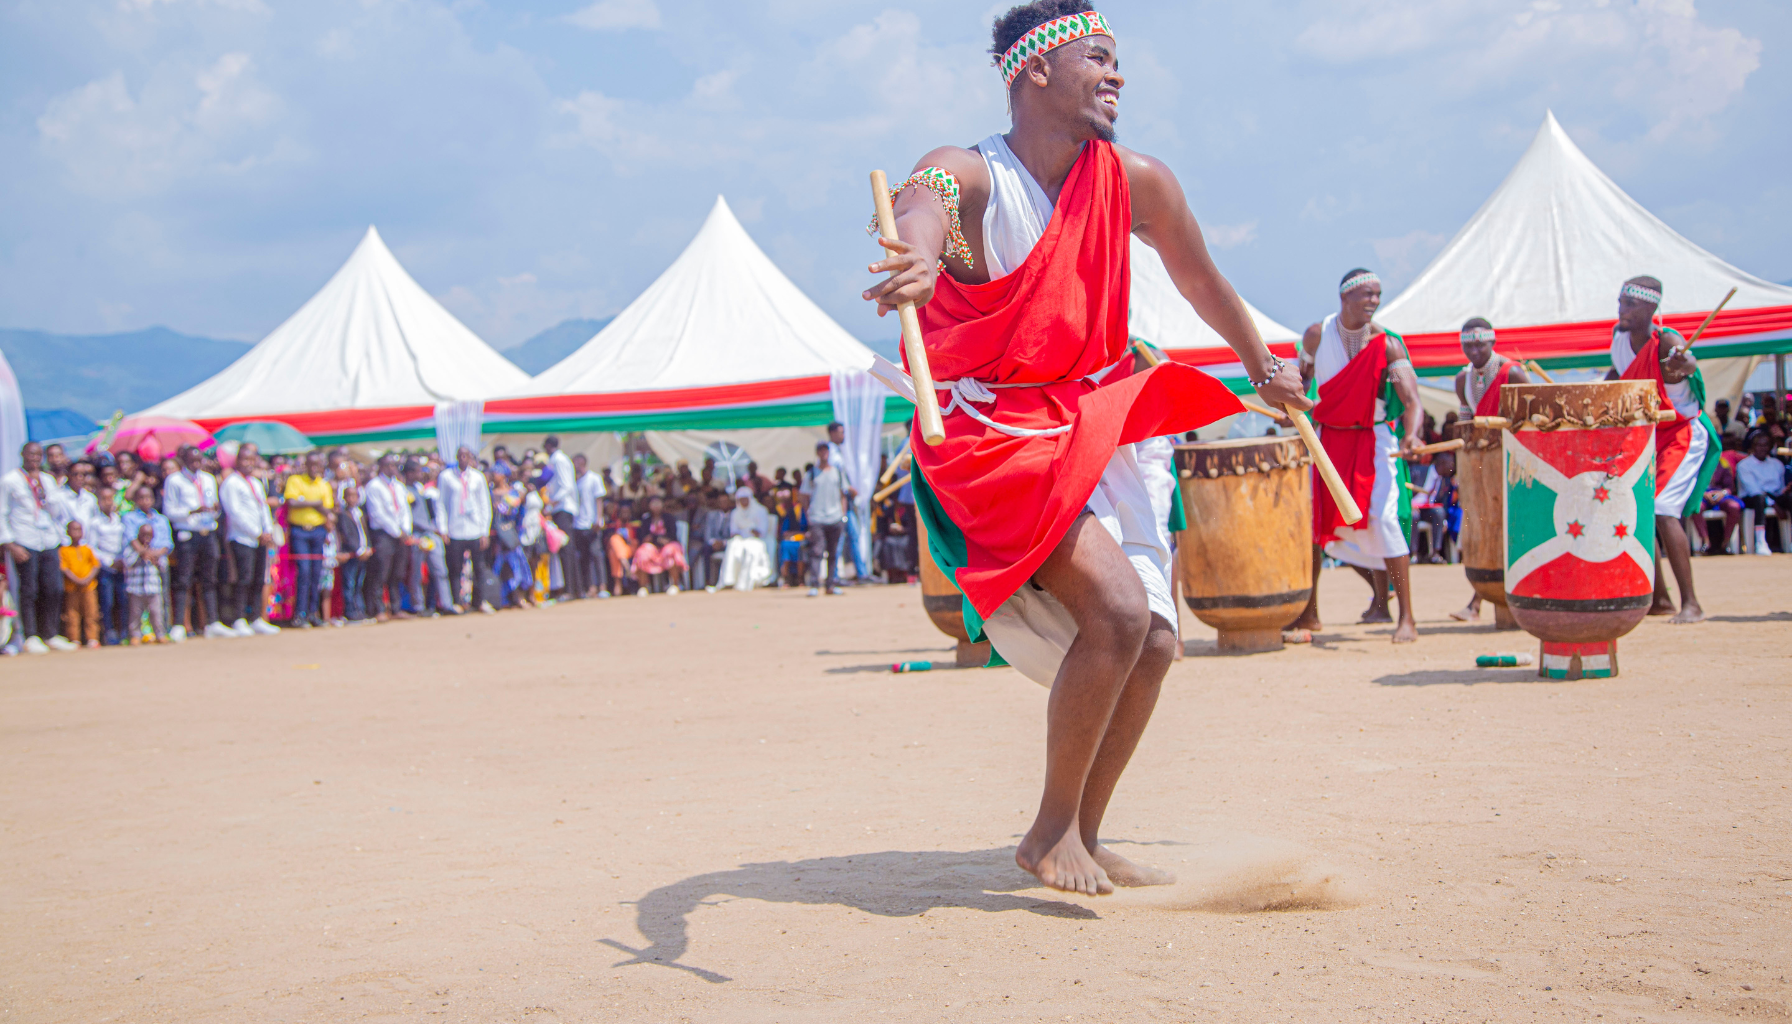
(892,489)
(927,401)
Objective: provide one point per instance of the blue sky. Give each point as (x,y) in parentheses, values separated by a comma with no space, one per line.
(206,164)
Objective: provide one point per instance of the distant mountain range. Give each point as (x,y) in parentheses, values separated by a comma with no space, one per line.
(554,344)
(95,374)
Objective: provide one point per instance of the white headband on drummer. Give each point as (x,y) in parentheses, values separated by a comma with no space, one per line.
(1642,293)
(1477,334)
(1357,281)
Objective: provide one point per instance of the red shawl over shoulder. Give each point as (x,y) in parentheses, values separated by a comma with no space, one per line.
(1489,405)
(1346,418)
(1673,439)
(1058,318)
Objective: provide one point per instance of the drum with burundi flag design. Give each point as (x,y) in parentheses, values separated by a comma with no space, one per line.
(1580,518)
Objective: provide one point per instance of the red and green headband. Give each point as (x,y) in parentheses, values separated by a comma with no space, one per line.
(1049,36)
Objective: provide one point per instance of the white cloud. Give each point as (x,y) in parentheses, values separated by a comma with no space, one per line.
(1402,258)
(616,15)
(1230,236)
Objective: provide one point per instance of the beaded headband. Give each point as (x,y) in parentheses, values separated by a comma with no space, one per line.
(1049,36)
(1366,277)
(1477,334)
(1641,293)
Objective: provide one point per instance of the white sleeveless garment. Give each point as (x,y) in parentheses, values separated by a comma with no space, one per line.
(1032,630)
(1671,499)
(1377,537)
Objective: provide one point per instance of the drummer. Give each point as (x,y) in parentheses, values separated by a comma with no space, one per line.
(1478,394)
(1361,369)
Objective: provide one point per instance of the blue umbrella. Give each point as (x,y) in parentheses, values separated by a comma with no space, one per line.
(44,425)
(271,438)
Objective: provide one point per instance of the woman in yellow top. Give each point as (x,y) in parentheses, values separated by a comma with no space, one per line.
(309,504)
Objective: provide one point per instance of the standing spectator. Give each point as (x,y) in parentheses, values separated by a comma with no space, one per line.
(145,562)
(78,501)
(56,461)
(108,542)
(30,508)
(1730,428)
(427,549)
(80,583)
(1761,482)
(467,520)
(352,552)
(589,488)
(309,502)
(793,534)
(829,495)
(855,529)
(190,500)
(562,503)
(248,536)
(389,525)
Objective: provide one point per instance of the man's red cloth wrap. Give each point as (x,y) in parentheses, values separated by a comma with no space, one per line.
(1489,405)
(1059,317)
(1346,418)
(1673,439)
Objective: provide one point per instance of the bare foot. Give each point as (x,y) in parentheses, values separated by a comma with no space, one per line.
(1062,863)
(1662,606)
(1689,612)
(1125,873)
(1468,614)
(1374,615)
(1406,633)
(1297,635)
(1306,621)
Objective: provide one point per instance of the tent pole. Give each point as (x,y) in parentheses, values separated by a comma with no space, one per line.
(1779,376)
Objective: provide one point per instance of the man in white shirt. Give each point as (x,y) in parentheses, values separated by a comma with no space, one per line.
(79,503)
(854,528)
(190,500)
(589,489)
(1761,484)
(829,497)
(427,548)
(105,535)
(467,522)
(562,506)
(389,528)
(31,515)
(248,537)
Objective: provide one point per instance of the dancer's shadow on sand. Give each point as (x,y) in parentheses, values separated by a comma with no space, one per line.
(894,883)
(1462,676)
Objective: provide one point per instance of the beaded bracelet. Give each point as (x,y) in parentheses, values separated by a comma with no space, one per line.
(1275,366)
(941,183)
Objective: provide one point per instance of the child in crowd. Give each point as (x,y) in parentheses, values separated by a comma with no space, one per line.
(353,549)
(143,564)
(80,589)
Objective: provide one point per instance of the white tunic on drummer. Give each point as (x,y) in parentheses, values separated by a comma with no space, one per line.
(1031,629)
(1674,495)
(1377,537)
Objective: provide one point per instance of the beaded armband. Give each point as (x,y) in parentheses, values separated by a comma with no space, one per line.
(941,183)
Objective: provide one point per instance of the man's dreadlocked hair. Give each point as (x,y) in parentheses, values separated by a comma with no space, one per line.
(1027,17)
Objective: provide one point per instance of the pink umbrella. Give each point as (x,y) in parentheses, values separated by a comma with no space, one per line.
(151,437)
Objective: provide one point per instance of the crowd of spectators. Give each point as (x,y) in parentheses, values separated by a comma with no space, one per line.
(222,543)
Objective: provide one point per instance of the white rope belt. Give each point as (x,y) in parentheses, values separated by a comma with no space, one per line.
(968,390)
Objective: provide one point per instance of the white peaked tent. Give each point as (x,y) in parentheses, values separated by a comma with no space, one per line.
(722,346)
(368,357)
(1158,313)
(1543,258)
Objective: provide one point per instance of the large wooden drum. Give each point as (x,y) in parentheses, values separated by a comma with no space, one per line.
(1580,518)
(1247,554)
(945,605)
(1480,476)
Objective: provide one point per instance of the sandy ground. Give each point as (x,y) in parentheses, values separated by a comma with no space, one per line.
(726,808)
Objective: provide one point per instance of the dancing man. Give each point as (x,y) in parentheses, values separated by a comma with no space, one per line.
(1016,252)
(1478,394)
(1366,386)
(1686,447)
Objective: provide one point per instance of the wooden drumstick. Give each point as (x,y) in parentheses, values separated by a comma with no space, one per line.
(892,489)
(1533,366)
(927,402)
(902,455)
(1677,349)
(1784,453)
(1493,422)
(1433,449)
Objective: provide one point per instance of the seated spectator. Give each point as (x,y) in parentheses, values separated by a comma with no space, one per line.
(710,528)
(80,591)
(1721,496)
(145,563)
(657,549)
(747,561)
(1730,429)
(1761,481)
